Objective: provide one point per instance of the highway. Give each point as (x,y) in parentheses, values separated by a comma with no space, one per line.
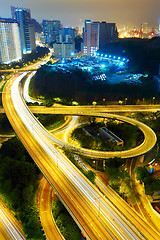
(26,88)
(9,226)
(44,199)
(80,197)
(149,142)
(104,109)
(99,109)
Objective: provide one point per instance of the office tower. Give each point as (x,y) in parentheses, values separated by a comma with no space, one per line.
(50,30)
(63,50)
(91,38)
(26,29)
(10,47)
(97,35)
(107,34)
(13,11)
(66,35)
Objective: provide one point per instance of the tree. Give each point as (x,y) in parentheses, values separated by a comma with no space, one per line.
(49,103)
(141,173)
(13,148)
(114,162)
(91,176)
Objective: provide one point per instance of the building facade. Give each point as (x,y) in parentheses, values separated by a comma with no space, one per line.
(97,35)
(66,35)
(50,30)
(63,50)
(107,34)
(26,29)
(90,38)
(10,47)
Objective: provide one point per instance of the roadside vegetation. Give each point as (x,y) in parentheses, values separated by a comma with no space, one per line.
(149,179)
(151,184)
(79,86)
(119,179)
(50,121)
(130,134)
(65,223)
(117,176)
(89,174)
(19,179)
(153,121)
(5,126)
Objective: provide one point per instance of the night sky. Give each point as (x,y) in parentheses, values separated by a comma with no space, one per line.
(69,12)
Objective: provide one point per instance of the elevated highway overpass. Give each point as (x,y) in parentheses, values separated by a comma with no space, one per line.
(80,197)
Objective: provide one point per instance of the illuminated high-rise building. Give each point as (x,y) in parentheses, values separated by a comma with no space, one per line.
(50,30)
(26,29)
(91,38)
(10,47)
(66,35)
(63,50)
(97,35)
(107,34)
(13,11)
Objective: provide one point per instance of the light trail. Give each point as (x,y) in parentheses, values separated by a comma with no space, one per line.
(75,191)
(10,227)
(26,87)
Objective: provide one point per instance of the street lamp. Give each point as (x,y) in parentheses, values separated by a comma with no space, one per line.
(153,100)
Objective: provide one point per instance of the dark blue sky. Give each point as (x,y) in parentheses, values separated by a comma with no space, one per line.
(71,11)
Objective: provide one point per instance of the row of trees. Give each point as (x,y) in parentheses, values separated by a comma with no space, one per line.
(18,184)
(65,223)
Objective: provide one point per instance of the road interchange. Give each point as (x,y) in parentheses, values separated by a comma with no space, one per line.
(79,196)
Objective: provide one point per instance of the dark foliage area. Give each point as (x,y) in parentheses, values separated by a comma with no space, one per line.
(64,221)
(48,119)
(78,86)
(119,178)
(5,126)
(40,52)
(69,85)
(18,183)
(151,185)
(144,54)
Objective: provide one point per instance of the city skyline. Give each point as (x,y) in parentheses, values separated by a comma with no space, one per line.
(71,13)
